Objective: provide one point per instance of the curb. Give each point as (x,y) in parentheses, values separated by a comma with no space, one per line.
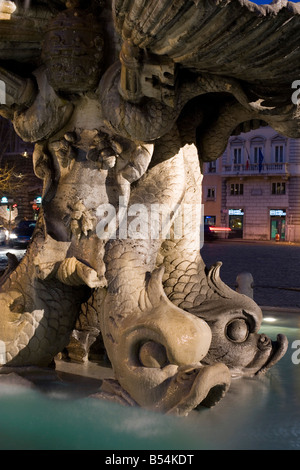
(281,310)
(256,242)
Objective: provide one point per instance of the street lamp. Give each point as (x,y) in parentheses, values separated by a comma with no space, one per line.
(6,9)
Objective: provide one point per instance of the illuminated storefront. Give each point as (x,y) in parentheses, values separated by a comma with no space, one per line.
(236,223)
(278,224)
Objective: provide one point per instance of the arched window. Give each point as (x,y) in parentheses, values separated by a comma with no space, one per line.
(237,146)
(257,149)
(278,149)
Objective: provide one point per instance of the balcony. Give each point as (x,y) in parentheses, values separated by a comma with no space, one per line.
(256,169)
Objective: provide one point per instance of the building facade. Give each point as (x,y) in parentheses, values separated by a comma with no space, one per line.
(22,198)
(254,187)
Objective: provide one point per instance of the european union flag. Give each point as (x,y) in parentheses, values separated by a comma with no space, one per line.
(261,159)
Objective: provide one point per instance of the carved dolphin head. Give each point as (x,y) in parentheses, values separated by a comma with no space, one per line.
(235,321)
(156,352)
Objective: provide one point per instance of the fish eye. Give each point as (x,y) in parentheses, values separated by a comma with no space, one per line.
(237,330)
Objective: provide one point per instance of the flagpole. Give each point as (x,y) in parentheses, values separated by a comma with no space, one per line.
(248,160)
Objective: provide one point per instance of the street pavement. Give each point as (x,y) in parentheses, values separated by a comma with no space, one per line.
(275,268)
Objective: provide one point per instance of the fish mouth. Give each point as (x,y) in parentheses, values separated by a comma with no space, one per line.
(194,386)
(278,350)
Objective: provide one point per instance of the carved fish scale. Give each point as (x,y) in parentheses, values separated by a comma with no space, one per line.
(35,318)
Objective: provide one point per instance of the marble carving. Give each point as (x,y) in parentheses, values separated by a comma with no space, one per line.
(124,100)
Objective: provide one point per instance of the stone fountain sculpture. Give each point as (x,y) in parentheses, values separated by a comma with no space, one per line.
(124,100)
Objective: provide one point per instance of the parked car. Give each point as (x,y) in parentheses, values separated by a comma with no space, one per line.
(22,234)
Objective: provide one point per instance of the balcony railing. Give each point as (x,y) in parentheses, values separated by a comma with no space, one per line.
(256,169)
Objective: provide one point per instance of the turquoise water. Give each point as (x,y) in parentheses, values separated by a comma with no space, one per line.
(254,414)
(29,421)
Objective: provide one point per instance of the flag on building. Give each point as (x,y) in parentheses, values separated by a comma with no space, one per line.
(248,161)
(261,159)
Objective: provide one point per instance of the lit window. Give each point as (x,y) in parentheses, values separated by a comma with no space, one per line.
(211,193)
(278,188)
(236,189)
(210,220)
